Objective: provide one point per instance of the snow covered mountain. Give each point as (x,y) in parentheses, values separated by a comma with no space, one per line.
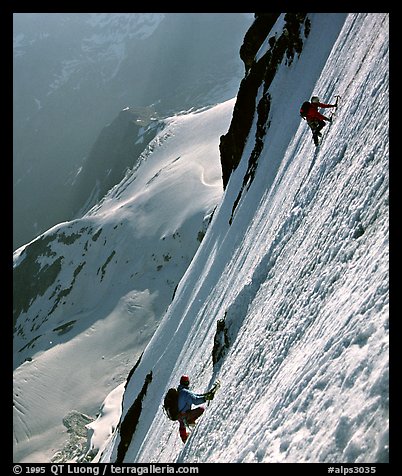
(117,149)
(299,277)
(292,270)
(89,293)
(74,73)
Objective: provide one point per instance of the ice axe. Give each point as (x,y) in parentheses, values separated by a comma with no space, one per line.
(336,102)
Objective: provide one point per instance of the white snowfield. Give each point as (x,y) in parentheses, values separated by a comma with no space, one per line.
(301,274)
(120,266)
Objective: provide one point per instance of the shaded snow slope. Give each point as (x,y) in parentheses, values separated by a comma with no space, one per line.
(91,67)
(300,277)
(89,294)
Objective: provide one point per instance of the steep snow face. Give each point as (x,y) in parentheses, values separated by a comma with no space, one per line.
(89,294)
(300,278)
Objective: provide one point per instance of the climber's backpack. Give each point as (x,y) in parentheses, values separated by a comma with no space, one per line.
(304,109)
(170,404)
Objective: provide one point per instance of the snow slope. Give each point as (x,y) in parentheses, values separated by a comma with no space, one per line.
(92,65)
(88,294)
(301,278)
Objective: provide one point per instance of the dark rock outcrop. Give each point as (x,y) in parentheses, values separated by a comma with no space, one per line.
(129,424)
(255,36)
(259,72)
(221,341)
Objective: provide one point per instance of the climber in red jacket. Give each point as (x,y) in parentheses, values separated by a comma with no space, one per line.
(315,119)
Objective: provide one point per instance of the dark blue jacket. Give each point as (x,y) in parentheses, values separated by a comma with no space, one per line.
(188,398)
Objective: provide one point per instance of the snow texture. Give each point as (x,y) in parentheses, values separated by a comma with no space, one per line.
(302,275)
(300,278)
(107,280)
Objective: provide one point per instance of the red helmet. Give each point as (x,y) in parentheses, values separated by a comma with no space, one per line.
(185,380)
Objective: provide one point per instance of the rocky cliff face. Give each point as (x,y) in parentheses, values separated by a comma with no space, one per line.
(261,63)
